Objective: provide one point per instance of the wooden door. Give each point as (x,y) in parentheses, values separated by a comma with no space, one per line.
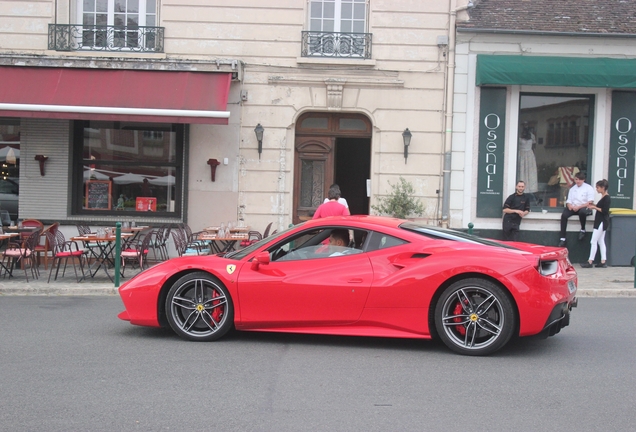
(313,175)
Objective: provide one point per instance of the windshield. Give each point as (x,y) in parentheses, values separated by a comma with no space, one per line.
(448,234)
(242,253)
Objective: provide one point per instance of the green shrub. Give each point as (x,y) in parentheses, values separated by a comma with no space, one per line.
(400,203)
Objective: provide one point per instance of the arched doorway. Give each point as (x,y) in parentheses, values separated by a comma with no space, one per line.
(331,148)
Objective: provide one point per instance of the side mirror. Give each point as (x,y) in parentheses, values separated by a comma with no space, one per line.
(261,258)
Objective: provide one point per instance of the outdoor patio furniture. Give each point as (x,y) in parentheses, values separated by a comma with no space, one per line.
(64,250)
(137,251)
(43,248)
(23,254)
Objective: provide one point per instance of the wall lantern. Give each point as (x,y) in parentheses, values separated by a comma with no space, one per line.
(406,136)
(258,130)
(213,164)
(42,159)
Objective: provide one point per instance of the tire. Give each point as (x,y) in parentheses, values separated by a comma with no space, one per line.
(474,317)
(199,308)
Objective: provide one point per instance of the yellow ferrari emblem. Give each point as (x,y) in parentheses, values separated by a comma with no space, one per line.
(230,268)
(474,317)
(200,307)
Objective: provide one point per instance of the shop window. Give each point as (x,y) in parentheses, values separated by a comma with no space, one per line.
(552,146)
(127,168)
(9,168)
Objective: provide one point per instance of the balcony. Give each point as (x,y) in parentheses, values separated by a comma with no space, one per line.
(77,37)
(340,45)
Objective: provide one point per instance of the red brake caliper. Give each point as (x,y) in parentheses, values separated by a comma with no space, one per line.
(218,312)
(460,328)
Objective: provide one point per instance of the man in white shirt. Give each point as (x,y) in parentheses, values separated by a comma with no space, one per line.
(578,198)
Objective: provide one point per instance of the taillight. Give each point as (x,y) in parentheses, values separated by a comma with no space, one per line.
(547,268)
(544,267)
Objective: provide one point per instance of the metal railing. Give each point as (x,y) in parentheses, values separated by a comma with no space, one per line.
(77,37)
(330,44)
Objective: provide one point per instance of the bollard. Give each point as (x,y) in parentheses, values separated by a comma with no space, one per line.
(117,252)
(470,227)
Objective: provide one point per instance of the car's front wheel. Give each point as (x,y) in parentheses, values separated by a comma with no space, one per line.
(474,317)
(199,307)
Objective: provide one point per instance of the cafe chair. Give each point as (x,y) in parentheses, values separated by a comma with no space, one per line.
(137,251)
(180,243)
(160,243)
(43,247)
(193,244)
(266,232)
(30,223)
(64,250)
(84,230)
(23,255)
(252,237)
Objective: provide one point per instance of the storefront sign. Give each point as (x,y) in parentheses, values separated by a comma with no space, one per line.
(490,164)
(622,150)
(146,204)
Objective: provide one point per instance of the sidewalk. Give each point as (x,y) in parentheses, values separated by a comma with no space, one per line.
(593,282)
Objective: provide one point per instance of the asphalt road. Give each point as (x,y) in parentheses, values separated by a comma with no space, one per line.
(68,364)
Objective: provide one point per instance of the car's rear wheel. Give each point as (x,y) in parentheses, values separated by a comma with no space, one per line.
(199,307)
(474,317)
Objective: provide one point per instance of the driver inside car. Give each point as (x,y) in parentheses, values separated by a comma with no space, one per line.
(338,239)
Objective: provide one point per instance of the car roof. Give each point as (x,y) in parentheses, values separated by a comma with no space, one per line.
(365,221)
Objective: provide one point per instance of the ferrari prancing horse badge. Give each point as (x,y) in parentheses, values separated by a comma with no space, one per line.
(230,268)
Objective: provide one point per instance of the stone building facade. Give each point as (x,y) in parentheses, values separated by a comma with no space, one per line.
(169,90)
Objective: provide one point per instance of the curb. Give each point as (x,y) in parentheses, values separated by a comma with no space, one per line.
(59,292)
(612,293)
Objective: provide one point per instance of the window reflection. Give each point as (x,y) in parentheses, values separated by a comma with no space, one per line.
(553,145)
(9,167)
(136,164)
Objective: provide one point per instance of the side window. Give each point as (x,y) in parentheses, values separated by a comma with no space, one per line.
(382,241)
(321,243)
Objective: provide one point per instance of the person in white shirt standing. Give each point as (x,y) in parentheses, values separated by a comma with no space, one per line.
(579,196)
(341,200)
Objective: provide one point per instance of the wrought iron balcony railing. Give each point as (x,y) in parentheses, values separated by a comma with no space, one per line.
(77,37)
(329,44)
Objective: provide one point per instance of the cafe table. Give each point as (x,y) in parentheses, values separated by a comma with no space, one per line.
(223,244)
(17,229)
(132,230)
(101,250)
(213,229)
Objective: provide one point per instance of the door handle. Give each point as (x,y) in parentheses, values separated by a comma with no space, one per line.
(355,280)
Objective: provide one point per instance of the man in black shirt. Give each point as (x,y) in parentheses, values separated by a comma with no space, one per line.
(516,206)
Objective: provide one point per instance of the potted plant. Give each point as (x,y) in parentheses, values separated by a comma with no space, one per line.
(400,203)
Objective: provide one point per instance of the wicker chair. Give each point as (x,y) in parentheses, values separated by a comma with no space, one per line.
(137,251)
(44,247)
(23,254)
(64,250)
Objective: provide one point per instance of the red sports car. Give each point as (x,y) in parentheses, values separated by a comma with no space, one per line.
(363,276)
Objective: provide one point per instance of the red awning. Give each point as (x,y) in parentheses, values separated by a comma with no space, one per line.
(116,95)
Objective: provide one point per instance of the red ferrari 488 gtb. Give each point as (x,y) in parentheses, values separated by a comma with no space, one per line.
(394,278)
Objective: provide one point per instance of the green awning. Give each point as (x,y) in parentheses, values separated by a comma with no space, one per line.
(556,71)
